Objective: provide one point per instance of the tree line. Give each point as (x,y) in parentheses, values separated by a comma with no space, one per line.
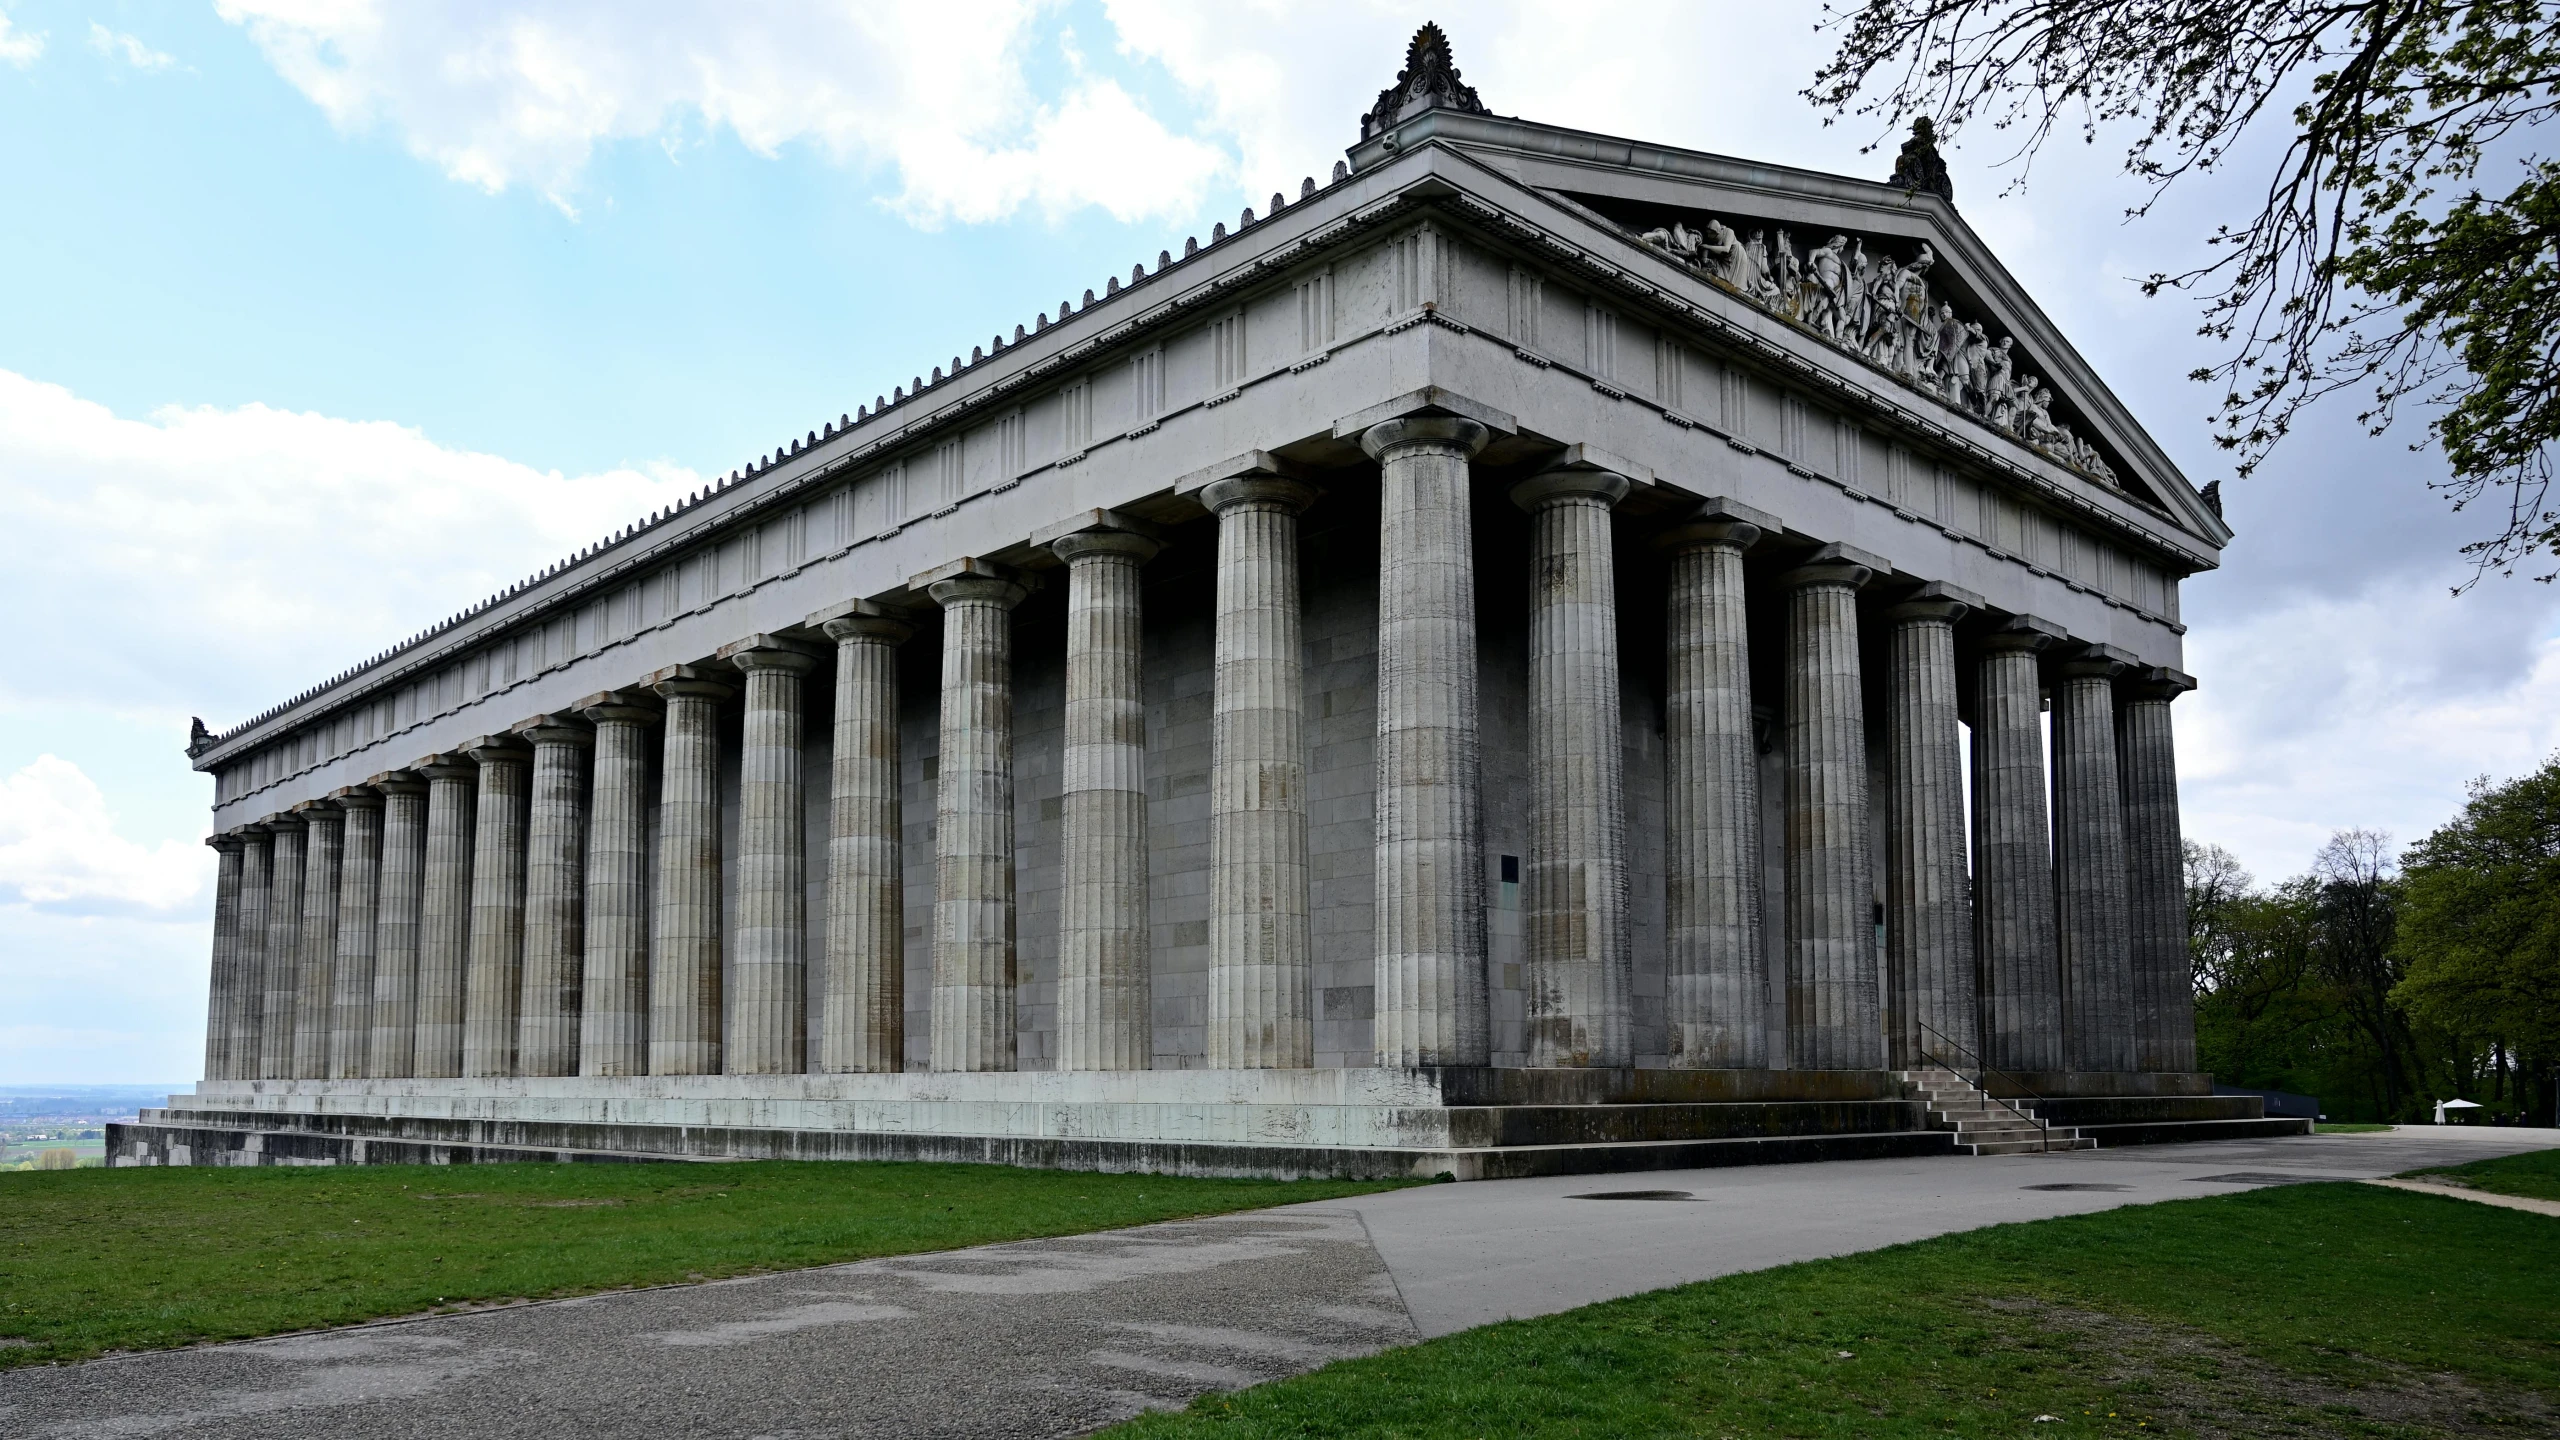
(2383,983)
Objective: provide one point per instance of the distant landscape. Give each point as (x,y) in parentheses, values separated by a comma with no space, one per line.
(37,1119)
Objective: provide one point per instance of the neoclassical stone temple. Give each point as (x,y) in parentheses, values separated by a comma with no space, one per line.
(1541,652)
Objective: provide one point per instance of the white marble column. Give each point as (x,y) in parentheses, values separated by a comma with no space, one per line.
(972,1015)
(359,932)
(1104,1019)
(392,1054)
(2155,874)
(613,1010)
(284,947)
(1715,984)
(2089,864)
(1930,1009)
(1261,963)
(684,967)
(493,986)
(2020,971)
(555,885)
(1581,982)
(1430,1002)
(769,953)
(222,989)
(863,1028)
(444,915)
(315,987)
(249,1005)
(1833,1017)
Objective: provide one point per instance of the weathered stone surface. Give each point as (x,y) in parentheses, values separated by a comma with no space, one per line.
(493,985)
(248,1059)
(684,964)
(444,913)
(1715,981)
(1833,1018)
(864,1025)
(284,946)
(2013,867)
(315,984)
(359,933)
(2155,875)
(1103,1015)
(769,963)
(2089,865)
(972,1019)
(554,989)
(1580,976)
(398,925)
(613,1008)
(223,997)
(1930,1001)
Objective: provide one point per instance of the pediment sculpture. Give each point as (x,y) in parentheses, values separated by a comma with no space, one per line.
(1885,312)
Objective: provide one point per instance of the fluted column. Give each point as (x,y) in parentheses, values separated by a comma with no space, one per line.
(863,1028)
(972,1013)
(769,959)
(223,986)
(397,926)
(1430,1003)
(284,947)
(1581,982)
(444,916)
(1715,984)
(249,1003)
(684,968)
(1929,1005)
(2155,874)
(1104,1021)
(613,1018)
(359,932)
(1833,1020)
(555,884)
(315,987)
(2089,865)
(1261,963)
(2020,972)
(493,988)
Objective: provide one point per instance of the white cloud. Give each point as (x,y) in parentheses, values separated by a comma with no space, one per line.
(129,48)
(19,47)
(59,849)
(214,560)
(938,94)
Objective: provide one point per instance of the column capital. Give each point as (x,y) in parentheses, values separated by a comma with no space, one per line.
(1427,415)
(697,681)
(495,749)
(2158,682)
(228,842)
(1257,478)
(320,810)
(1582,472)
(448,765)
(356,797)
(861,620)
(282,821)
(2029,633)
(398,782)
(626,707)
(1837,564)
(1936,601)
(554,730)
(971,580)
(771,652)
(2097,662)
(1719,520)
(1100,532)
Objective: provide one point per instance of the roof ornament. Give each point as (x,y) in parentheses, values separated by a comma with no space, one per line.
(198,737)
(1428,81)
(1920,168)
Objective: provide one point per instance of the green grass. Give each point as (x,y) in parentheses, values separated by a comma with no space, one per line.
(2349,1127)
(2301,1309)
(146,1258)
(2535,1173)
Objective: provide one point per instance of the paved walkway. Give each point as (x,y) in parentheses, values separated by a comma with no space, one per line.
(1054,1337)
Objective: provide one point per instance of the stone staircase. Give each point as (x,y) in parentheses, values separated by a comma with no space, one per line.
(1984,1126)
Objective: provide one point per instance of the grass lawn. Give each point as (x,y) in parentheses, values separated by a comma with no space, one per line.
(2349,1127)
(2535,1173)
(95,1260)
(2327,1310)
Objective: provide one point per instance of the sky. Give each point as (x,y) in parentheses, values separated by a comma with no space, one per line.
(322,319)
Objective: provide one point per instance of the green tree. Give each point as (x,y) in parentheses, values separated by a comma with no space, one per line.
(2376,262)
(2481,932)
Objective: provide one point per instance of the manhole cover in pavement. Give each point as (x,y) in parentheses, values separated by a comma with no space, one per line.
(2076,1185)
(2268,1177)
(1634,1195)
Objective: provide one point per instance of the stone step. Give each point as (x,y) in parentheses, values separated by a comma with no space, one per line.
(2032,1146)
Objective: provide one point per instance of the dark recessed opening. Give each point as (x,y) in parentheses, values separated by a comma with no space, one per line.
(1634,1195)
(2076,1185)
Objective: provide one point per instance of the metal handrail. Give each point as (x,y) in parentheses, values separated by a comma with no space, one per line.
(1982,1071)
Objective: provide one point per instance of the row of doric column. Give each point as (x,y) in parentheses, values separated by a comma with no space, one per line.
(490,911)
